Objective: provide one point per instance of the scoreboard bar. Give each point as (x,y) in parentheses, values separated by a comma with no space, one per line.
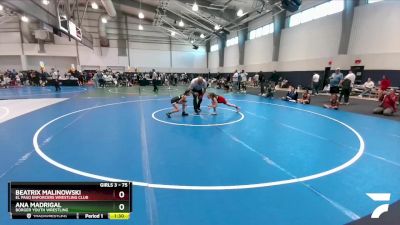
(71,200)
(91,216)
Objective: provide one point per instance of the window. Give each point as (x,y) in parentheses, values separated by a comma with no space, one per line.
(214,48)
(268,29)
(262,31)
(328,8)
(307,15)
(259,32)
(373,1)
(232,41)
(336,6)
(271,28)
(321,11)
(252,34)
(295,20)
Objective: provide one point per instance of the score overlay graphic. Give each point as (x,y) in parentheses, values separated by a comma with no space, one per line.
(72,200)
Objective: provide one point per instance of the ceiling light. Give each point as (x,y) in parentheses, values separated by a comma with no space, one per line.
(45,2)
(240,13)
(24,19)
(195,7)
(104,20)
(192,41)
(140,27)
(173,33)
(217,27)
(1,7)
(202,36)
(181,24)
(94,5)
(141,15)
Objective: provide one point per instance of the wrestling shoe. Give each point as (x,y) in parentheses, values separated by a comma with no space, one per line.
(185,114)
(168,115)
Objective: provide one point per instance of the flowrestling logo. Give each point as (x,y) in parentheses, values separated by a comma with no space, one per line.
(379,197)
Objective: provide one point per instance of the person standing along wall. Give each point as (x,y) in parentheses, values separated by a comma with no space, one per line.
(235,80)
(347,85)
(315,83)
(243,81)
(335,80)
(262,83)
(384,85)
(256,78)
(154,81)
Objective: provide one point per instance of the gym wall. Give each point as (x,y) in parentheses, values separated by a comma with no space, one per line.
(309,47)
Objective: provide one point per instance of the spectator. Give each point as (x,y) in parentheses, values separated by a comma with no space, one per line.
(186,78)
(284,83)
(57,85)
(347,85)
(101,79)
(13,77)
(243,81)
(292,95)
(228,78)
(262,82)
(335,80)
(315,83)
(388,105)
(255,79)
(270,90)
(95,80)
(384,85)
(22,78)
(239,81)
(274,77)
(35,78)
(368,87)
(54,74)
(154,81)
(80,78)
(167,81)
(175,79)
(17,79)
(29,80)
(235,80)
(333,103)
(306,99)
(4,80)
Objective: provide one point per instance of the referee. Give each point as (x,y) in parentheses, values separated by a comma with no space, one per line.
(154,77)
(198,87)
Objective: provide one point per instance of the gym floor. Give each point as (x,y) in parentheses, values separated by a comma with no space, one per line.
(273,163)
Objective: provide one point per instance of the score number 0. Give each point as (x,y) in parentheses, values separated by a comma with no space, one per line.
(121,206)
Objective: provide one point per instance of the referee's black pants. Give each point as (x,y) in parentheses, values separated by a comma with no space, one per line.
(197,99)
(155,88)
